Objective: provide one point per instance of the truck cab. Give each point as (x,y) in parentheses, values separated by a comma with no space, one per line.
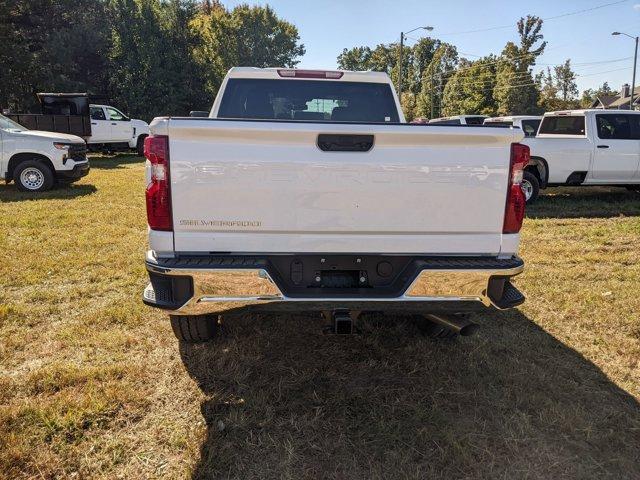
(585,147)
(36,160)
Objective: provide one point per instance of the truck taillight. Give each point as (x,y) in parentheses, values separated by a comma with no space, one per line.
(514,211)
(156,150)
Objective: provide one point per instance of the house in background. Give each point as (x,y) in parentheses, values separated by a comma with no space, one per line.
(620,101)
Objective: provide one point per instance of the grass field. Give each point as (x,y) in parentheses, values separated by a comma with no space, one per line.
(94,385)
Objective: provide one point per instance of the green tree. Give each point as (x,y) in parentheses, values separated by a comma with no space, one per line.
(15,56)
(261,39)
(357,59)
(246,36)
(558,90)
(57,45)
(565,80)
(470,88)
(590,95)
(434,80)
(151,57)
(421,55)
(75,44)
(515,91)
(548,98)
(384,58)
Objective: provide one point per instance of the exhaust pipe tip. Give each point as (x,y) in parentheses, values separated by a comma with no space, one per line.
(469,329)
(461,326)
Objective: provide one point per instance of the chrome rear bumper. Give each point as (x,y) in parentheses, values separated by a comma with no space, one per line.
(204,290)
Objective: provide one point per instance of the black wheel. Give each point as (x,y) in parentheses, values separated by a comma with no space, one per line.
(194,328)
(33,176)
(530,187)
(140,145)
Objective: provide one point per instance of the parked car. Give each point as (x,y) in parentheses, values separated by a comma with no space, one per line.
(35,160)
(103,127)
(459,120)
(527,123)
(340,208)
(584,147)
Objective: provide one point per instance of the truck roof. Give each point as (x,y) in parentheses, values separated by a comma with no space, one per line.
(304,74)
(511,118)
(560,113)
(456,117)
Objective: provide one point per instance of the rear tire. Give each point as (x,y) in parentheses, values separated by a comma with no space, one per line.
(194,328)
(140,145)
(530,187)
(33,176)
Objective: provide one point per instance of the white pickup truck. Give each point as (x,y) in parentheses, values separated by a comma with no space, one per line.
(584,147)
(305,189)
(36,160)
(112,129)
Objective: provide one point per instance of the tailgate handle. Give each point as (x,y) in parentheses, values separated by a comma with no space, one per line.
(344,143)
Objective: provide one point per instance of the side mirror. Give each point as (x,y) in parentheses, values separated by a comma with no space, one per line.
(199,113)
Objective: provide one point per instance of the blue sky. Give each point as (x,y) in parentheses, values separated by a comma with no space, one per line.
(328,26)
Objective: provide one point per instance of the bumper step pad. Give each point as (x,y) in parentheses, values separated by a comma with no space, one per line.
(511,297)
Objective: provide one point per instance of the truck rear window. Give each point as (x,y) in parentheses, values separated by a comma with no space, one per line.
(564,125)
(530,127)
(474,120)
(499,124)
(308,100)
(446,121)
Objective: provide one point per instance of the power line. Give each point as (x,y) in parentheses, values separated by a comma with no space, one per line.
(528,84)
(500,59)
(555,17)
(601,62)
(597,62)
(600,73)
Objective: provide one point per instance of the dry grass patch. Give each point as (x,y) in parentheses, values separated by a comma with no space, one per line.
(94,385)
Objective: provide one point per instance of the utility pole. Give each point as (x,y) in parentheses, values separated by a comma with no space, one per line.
(635,62)
(402,37)
(432,97)
(633,82)
(400,68)
(439,94)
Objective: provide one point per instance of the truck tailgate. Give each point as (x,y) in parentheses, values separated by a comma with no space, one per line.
(256,186)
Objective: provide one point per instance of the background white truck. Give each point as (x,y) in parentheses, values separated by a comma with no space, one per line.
(459,120)
(112,129)
(303,190)
(35,160)
(584,147)
(103,127)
